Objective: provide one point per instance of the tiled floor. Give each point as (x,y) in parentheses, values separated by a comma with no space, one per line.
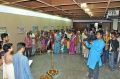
(69,67)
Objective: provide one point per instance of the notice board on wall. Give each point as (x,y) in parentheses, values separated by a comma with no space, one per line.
(3,30)
(35,28)
(21,30)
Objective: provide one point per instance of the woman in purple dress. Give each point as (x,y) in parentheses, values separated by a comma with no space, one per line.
(72,43)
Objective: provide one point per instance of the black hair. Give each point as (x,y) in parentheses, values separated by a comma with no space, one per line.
(101,32)
(28,33)
(7,46)
(1,44)
(112,30)
(68,39)
(74,31)
(20,45)
(116,31)
(4,35)
(113,33)
(61,29)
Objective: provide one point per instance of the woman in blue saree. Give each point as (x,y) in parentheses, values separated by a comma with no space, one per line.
(57,41)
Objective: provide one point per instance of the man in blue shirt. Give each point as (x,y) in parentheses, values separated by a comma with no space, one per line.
(21,65)
(94,60)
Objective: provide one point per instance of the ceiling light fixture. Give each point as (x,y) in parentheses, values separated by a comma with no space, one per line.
(91,15)
(87,10)
(83,5)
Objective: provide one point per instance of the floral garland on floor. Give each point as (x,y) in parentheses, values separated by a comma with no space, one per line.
(52,72)
(46,77)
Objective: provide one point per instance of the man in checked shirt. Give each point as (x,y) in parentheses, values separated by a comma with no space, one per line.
(28,42)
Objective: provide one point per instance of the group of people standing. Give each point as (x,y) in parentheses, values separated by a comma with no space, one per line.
(58,41)
(111,50)
(13,66)
(104,48)
(16,65)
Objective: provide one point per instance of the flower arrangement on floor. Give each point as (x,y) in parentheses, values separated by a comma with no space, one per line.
(46,77)
(52,72)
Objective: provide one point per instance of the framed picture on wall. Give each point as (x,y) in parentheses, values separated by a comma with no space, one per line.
(21,30)
(3,30)
(35,28)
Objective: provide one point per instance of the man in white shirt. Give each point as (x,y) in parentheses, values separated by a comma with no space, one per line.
(32,35)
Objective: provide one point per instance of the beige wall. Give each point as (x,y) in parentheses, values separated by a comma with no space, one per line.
(12,21)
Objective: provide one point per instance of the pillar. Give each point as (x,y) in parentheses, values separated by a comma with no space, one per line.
(115,24)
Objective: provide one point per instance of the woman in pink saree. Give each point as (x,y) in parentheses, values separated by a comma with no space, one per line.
(72,43)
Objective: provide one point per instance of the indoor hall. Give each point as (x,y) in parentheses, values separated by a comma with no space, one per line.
(59,39)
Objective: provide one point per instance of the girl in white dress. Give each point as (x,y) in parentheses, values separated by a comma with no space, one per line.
(8,69)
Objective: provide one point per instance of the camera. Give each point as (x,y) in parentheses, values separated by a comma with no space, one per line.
(90,37)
